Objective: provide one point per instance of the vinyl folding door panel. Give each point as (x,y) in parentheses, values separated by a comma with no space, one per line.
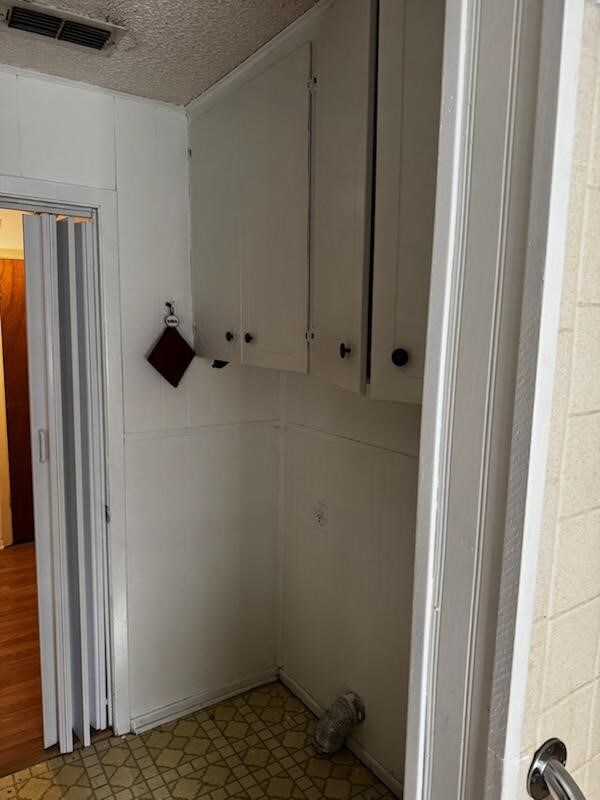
(40,263)
(83,471)
(69,474)
(93,466)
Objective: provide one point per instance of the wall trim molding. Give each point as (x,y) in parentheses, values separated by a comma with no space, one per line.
(359,751)
(197,702)
(291,37)
(338,437)
(201,430)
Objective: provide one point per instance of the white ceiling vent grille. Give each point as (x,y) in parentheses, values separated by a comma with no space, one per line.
(60,25)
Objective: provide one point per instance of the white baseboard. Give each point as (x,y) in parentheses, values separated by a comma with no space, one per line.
(393,784)
(189,705)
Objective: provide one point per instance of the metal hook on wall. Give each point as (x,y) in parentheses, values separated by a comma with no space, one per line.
(171,320)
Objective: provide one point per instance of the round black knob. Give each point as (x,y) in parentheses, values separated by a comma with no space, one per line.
(345,350)
(229,336)
(248,338)
(400,357)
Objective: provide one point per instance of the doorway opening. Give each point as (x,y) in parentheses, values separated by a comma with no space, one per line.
(54,668)
(17,523)
(21,722)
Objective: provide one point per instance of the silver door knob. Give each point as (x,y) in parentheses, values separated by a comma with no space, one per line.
(548,776)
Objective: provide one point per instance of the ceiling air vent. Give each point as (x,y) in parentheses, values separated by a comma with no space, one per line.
(25,19)
(59,25)
(85,35)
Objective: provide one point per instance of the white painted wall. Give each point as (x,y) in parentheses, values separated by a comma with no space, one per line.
(347,587)
(200,476)
(202,461)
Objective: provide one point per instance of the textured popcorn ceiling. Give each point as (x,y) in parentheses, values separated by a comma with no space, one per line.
(173,50)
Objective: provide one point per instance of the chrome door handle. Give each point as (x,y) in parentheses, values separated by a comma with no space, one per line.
(548,776)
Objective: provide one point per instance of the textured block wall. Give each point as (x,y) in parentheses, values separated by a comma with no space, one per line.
(563,695)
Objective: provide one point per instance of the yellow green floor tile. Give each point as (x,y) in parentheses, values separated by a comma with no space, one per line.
(253,747)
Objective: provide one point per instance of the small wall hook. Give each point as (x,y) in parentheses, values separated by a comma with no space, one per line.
(171,320)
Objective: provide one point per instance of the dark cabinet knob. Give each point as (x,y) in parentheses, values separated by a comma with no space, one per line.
(229,336)
(248,338)
(400,357)
(345,350)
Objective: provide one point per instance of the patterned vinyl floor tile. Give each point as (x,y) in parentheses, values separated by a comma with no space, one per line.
(254,746)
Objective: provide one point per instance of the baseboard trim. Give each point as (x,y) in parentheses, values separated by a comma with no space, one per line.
(393,784)
(189,705)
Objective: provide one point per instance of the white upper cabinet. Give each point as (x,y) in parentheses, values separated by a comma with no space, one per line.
(250,181)
(341,201)
(409,84)
(275,198)
(216,231)
(327,157)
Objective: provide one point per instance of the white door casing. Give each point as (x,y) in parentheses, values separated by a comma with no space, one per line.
(488,221)
(561,44)
(36,195)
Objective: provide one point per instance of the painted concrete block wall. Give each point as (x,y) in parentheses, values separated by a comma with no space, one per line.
(347,586)
(198,458)
(563,695)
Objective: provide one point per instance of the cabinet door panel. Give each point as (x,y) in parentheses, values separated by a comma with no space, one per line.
(217,243)
(409,83)
(275,185)
(342,169)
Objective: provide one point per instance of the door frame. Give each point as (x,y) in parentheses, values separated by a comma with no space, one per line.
(488,387)
(36,195)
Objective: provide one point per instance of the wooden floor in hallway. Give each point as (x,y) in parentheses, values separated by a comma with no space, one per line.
(21,742)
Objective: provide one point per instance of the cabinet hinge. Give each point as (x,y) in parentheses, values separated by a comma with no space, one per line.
(107,514)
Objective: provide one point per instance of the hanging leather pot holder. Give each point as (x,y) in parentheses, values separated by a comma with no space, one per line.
(171,356)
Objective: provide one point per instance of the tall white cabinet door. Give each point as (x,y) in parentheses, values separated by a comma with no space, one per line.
(217,238)
(409,85)
(275,186)
(342,168)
